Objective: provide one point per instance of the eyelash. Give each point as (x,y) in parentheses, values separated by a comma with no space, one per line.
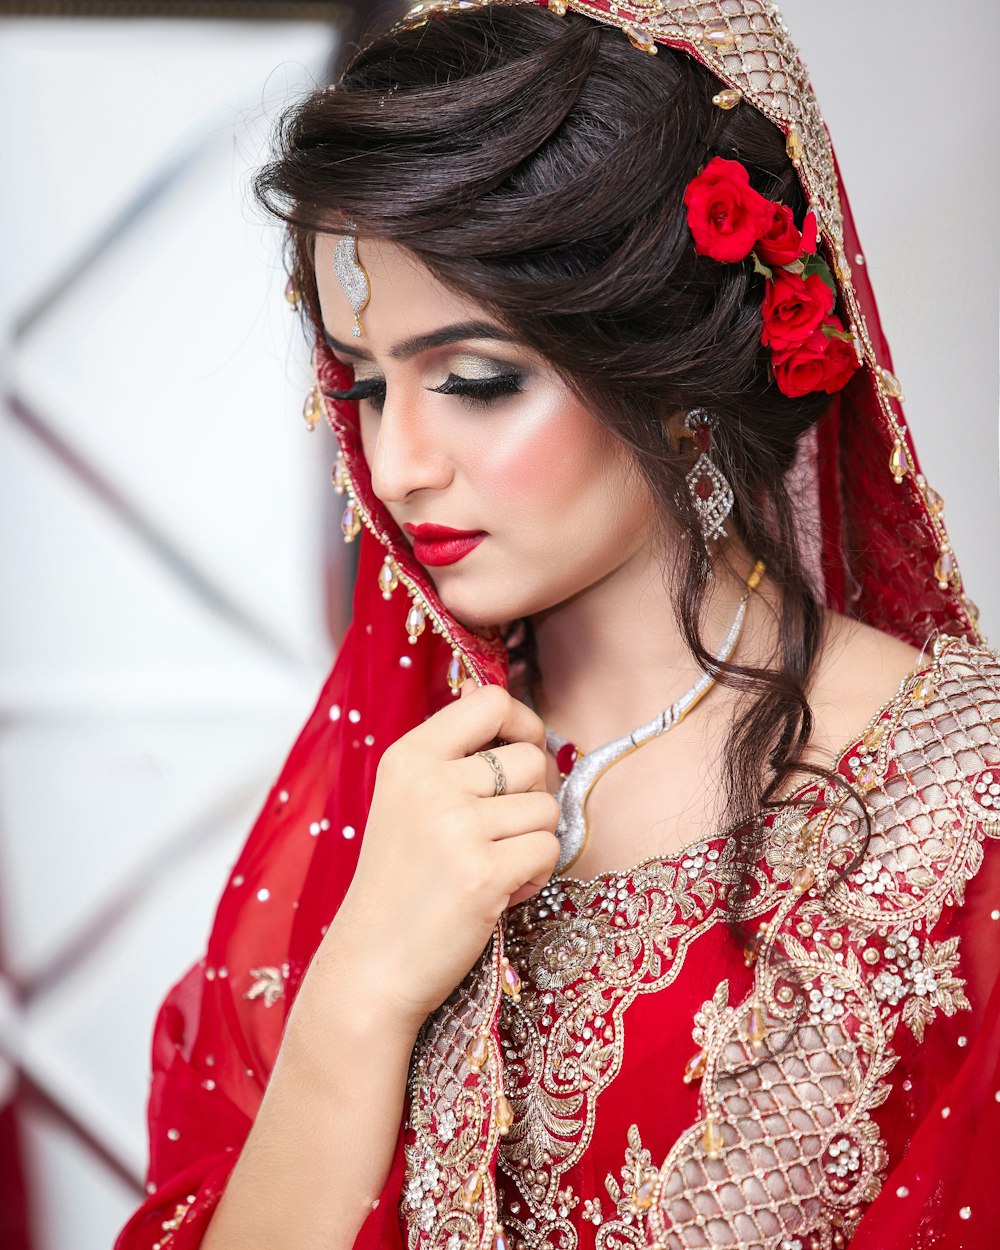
(479,393)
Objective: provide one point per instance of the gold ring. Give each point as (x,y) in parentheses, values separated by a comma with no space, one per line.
(494,763)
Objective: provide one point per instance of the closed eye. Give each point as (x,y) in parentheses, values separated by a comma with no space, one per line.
(478,392)
(481,391)
(369,388)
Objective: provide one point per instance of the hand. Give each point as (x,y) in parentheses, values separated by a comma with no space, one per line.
(442,856)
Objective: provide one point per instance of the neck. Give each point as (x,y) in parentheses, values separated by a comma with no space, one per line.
(612,657)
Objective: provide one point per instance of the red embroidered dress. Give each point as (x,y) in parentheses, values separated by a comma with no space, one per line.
(842,1073)
(645,1047)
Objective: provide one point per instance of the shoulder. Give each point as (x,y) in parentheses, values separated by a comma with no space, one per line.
(858,669)
(862,670)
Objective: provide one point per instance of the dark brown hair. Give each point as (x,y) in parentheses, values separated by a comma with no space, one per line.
(537,164)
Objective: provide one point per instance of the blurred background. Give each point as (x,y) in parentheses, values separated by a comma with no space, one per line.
(173,576)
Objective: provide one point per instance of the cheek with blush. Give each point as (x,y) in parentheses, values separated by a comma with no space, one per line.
(553,456)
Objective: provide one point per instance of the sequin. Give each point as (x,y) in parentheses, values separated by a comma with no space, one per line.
(263,894)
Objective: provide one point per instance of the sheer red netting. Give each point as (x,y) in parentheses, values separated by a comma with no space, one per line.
(881,553)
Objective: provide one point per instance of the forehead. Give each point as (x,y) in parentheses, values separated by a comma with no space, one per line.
(405,297)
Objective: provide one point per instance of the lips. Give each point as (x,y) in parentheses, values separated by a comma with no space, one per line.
(435,545)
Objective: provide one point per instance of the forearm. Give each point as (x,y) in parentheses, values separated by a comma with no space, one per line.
(323,1139)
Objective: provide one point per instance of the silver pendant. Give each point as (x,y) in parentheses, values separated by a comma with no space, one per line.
(572,794)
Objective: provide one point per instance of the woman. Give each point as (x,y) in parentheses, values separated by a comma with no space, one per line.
(626,459)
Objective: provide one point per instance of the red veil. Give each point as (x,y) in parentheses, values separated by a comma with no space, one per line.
(884,557)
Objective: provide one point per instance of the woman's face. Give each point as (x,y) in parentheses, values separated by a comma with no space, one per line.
(464,428)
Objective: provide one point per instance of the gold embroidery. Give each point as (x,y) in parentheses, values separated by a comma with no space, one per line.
(268,984)
(586,951)
(786,1147)
(631,1196)
(840,966)
(449,1199)
(173,1223)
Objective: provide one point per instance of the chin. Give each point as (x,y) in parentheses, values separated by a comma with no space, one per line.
(481,607)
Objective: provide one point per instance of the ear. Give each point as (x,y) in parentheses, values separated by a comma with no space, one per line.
(679,437)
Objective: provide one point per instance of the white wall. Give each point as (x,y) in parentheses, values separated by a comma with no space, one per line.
(162,513)
(906,87)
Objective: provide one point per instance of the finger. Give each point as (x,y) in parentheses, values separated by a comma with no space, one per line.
(523,766)
(523,865)
(477,720)
(516,814)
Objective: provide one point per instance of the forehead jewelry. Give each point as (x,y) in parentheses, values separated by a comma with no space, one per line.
(352,276)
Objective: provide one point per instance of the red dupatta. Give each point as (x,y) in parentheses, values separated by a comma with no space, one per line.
(883,557)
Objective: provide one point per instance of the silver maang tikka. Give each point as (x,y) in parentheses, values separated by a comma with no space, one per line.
(352,276)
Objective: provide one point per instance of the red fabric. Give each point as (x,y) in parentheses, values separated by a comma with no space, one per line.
(942,1193)
(214,1047)
(15,1229)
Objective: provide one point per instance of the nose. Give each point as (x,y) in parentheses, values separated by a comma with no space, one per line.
(407,455)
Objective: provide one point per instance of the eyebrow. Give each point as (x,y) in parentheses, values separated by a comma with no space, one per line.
(411,347)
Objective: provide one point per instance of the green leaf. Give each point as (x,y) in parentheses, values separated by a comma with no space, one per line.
(758,267)
(814,264)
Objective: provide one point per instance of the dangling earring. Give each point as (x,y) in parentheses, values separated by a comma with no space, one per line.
(710,490)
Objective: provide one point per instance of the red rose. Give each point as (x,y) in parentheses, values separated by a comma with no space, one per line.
(810,233)
(822,363)
(725,214)
(793,308)
(781,243)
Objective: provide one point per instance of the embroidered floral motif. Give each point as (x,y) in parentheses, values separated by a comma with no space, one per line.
(268,984)
(592,1210)
(585,954)
(452,1131)
(423,1187)
(631,1195)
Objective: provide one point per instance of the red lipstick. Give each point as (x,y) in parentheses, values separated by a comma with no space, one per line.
(435,545)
